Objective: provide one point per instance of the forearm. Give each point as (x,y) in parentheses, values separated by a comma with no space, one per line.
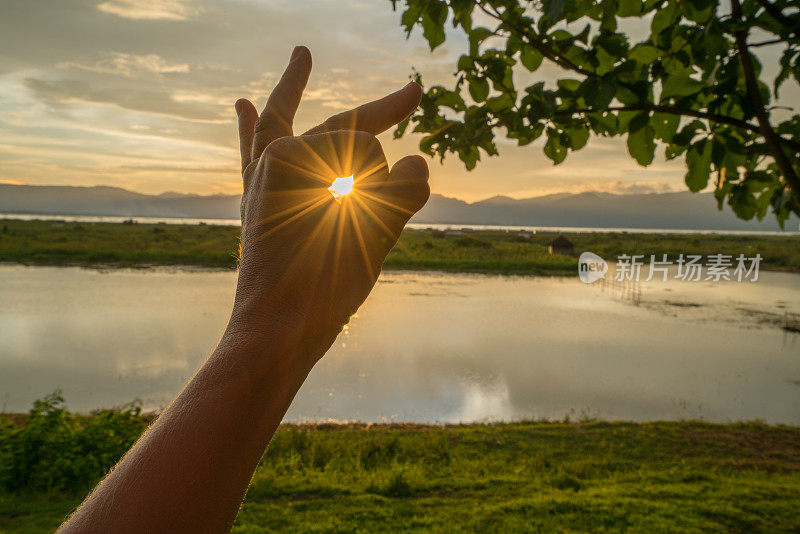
(189,471)
(307,264)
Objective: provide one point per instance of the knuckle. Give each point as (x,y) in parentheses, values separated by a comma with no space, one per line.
(339,121)
(262,123)
(367,140)
(279,146)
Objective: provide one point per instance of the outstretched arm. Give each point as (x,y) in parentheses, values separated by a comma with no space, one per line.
(307,264)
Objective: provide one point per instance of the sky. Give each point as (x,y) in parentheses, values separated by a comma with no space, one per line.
(139,94)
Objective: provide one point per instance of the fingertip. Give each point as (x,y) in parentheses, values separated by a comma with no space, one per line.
(414,89)
(243,106)
(300,52)
(417,163)
(408,184)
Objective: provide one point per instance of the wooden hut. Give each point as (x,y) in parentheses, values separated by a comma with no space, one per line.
(561,245)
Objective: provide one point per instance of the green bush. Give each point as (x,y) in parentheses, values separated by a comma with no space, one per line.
(56,450)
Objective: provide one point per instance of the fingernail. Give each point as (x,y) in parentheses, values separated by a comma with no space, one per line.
(238,107)
(296,52)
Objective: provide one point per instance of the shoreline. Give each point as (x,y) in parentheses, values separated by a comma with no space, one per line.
(20,419)
(517,253)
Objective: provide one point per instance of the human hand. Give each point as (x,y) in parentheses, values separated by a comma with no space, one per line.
(308,261)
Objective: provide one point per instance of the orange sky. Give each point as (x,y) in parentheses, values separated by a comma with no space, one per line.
(140,93)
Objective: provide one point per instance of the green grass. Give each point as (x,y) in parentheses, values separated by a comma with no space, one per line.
(136,245)
(542,476)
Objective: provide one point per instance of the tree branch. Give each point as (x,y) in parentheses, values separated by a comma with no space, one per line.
(772,140)
(537,43)
(713,117)
(775,12)
(766,43)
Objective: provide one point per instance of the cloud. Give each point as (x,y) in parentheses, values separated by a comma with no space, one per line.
(142,91)
(129,65)
(150,9)
(154,101)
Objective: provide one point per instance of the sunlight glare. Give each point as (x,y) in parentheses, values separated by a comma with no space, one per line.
(341,187)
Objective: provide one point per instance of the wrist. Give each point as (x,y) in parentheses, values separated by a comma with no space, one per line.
(259,336)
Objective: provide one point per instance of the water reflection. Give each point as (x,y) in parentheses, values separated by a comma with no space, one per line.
(425,347)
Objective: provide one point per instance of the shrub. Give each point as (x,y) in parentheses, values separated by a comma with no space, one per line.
(56,450)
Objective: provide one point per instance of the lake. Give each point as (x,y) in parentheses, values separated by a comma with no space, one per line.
(425,347)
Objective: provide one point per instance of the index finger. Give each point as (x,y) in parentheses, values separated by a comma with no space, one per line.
(377,116)
(276,119)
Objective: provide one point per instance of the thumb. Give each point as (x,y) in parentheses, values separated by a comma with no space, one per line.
(401,196)
(407,187)
(247,114)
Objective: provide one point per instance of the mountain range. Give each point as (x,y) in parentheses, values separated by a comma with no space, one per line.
(680,210)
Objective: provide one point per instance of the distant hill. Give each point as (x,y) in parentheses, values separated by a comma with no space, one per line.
(682,210)
(105,200)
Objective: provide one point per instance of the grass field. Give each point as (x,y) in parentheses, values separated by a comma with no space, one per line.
(135,245)
(528,476)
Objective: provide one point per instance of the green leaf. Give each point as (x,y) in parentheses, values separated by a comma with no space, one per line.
(450,99)
(476,37)
(531,58)
(645,54)
(632,93)
(500,104)
(640,139)
(470,156)
(629,8)
(603,123)
(465,63)
(665,125)
(553,9)
(402,127)
(462,13)
(743,204)
(677,86)
(609,16)
(598,93)
(578,137)
(411,16)
(698,10)
(433,20)
(605,93)
(478,88)
(665,18)
(698,159)
(605,61)
(553,149)
(569,85)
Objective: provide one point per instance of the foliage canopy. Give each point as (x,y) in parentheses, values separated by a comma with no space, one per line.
(693,87)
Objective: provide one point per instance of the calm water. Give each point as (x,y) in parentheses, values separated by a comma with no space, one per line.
(424,347)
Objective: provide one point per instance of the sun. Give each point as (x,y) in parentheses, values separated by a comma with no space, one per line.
(341,187)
